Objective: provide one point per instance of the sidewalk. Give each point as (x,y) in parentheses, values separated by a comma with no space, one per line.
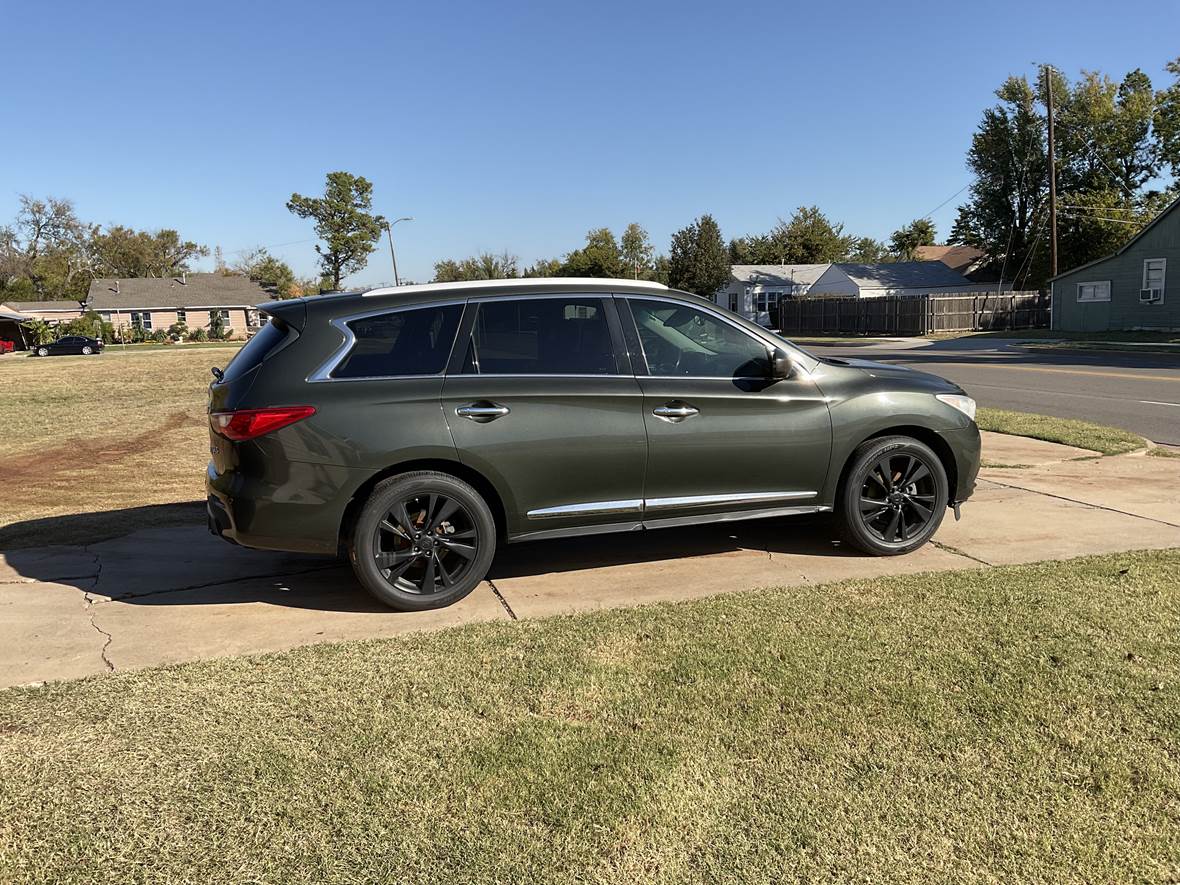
(177,594)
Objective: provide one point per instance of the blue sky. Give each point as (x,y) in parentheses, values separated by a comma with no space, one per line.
(519,126)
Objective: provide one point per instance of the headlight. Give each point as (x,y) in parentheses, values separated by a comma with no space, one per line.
(964,404)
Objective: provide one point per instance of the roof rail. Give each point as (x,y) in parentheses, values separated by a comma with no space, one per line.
(516,283)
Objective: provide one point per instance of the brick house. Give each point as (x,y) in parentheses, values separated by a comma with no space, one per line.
(158,302)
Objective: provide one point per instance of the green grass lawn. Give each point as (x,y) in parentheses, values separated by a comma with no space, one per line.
(1095,437)
(1059,335)
(1008,724)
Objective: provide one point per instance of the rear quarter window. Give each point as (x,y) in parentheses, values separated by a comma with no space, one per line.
(264,342)
(400,343)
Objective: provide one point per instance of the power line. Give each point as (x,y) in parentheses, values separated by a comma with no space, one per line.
(947,200)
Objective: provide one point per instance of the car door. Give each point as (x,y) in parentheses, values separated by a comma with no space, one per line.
(65,345)
(541,399)
(723,437)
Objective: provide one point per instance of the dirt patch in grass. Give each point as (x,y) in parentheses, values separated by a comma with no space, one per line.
(1006,724)
(102,435)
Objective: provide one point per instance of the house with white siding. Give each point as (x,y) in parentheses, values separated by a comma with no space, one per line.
(755,290)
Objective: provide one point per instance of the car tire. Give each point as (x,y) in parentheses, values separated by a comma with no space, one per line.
(422,540)
(87,350)
(893,497)
(42,351)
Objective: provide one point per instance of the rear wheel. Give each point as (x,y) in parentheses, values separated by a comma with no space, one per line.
(423,540)
(894,496)
(42,351)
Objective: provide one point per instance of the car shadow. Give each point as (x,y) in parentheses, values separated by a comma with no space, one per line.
(175,561)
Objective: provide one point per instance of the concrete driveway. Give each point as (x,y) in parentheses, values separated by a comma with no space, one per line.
(177,594)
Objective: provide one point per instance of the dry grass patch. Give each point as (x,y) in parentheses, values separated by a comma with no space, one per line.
(1006,724)
(90,434)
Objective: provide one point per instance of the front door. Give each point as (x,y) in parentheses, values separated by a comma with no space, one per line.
(722,436)
(540,398)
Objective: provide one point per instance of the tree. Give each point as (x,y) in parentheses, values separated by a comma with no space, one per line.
(637,251)
(38,331)
(1166,123)
(543,267)
(600,257)
(904,242)
(698,261)
(811,238)
(46,253)
(216,326)
(484,266)
(125,252)
(275,276)
(866,250)
(1005,209)
(343,221)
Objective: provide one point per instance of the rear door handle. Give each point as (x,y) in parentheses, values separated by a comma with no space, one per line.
(675,411)
(482,412)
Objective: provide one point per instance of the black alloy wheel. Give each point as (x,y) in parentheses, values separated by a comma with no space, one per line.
(894,496)
(422,540)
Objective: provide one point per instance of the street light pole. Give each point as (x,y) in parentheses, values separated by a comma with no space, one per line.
(392,254)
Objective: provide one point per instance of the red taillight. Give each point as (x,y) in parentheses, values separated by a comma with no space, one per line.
(247,424)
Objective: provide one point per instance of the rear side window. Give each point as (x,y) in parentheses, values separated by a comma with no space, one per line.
(541,336)
(404,342)
(256,349)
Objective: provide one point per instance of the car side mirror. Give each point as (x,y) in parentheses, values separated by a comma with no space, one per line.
(780,365)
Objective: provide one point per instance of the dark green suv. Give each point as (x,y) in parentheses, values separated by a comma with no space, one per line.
(417,427)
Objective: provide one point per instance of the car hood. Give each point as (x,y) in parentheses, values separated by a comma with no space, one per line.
(897,374)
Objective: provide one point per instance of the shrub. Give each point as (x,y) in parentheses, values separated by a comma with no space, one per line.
(160,336)
(178,331)
(198,334)
(216,326)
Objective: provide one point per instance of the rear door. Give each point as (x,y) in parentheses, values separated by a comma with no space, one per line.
(722,436)
(540,398)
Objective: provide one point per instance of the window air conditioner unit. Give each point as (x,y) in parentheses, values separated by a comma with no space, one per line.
(1151,296)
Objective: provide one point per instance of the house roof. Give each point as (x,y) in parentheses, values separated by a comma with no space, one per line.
(959,258)
(778,274)
(903,275)
(1168,210)
(195,290)
(25,306)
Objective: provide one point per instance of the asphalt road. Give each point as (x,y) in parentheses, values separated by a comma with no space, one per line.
(1138,392)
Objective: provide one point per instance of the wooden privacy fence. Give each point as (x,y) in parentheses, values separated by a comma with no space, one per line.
(912,314)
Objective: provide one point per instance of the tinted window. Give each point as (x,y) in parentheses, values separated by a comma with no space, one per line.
(680,340)
(256,349)
(541,336)
(405,342)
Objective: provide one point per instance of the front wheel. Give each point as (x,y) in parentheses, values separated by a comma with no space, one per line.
(423,540)
(894,496)
(87,350)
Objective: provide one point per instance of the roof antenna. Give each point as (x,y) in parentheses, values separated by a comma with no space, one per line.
(116,287)
(184,278)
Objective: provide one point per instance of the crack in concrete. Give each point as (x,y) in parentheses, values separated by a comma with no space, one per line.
(504,602)
(1086,504)
(957,552)
(102,652)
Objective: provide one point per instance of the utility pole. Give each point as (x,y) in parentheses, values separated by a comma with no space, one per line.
(393,255)
(1052,175)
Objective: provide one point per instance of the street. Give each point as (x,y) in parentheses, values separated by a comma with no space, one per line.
(1139,392)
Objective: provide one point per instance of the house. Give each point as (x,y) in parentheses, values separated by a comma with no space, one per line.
(15,314)
(755,290)
(895,278)
(154,303)
(1126,290)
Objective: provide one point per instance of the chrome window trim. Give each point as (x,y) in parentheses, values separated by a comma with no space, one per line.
(767,340)
(324,372)
(634,505)
(733,498)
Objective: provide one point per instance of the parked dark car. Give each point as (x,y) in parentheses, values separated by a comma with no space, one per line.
(70,344)
(416,428)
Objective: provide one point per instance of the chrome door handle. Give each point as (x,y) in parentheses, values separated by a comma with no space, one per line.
(675,412)
(482,412)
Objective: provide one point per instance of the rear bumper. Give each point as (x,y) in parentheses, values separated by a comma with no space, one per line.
(300,511)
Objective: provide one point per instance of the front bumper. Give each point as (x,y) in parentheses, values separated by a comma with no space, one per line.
(964,444)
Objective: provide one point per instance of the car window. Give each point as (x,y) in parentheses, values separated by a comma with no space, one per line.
(404,342)
(679,340)
(541,336)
